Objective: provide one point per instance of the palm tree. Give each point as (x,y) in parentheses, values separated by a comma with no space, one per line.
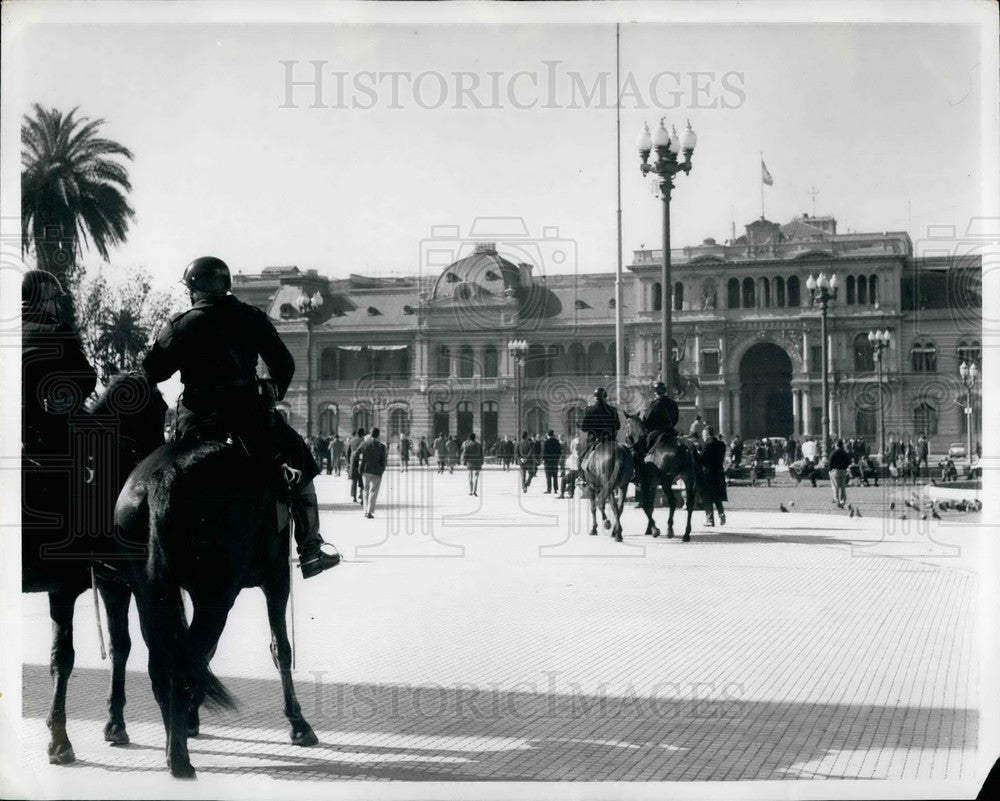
(71,187)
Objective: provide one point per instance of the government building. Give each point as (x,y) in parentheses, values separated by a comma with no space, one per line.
(428,353)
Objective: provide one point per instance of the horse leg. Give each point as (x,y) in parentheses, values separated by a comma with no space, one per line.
(593,514)
(604,516)
(668,493)
(646,492)
(116,601)
(207,623)
(616,510)
(691,493)
(61,661)
(169,686)
(276,593)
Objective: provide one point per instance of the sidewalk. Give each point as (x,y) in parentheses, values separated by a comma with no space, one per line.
(491,638)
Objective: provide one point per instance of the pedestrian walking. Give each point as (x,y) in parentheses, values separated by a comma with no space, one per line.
(713,485)
(337,454)
(791,447)
(373,461)
(323,454)
(572,471)
(696,428)
(840,464)
(505,452)
(923,451)
(452,449)
(404,452)
(423,453)
(472,457)
(551,454)
(441,451)
(736,450)
(354,466)
(525,453)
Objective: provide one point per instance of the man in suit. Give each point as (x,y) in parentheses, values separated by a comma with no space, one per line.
(441,451)
(373,461)
(525,453)
(353,466)
(713,457)
(404,452)
(472,457)
(551,454)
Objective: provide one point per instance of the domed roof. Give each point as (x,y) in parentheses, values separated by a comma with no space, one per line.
(483,273)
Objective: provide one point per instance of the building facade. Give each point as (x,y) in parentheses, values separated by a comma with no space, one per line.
(428,354)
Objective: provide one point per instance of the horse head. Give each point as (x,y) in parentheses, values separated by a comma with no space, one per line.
(137,408)
(633,427)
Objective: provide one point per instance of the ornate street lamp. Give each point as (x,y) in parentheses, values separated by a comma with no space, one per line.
(518,350)
(969,372)
(880,341)
(822,291)
(308,306)
(668,146)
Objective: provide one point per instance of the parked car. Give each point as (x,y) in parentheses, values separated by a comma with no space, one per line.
(957,450)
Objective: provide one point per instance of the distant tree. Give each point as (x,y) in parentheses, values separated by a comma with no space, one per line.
(119,314)
(73,189)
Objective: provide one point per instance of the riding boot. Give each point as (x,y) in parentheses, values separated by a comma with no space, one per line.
(305,510)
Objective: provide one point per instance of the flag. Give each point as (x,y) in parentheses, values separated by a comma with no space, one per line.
(765,176)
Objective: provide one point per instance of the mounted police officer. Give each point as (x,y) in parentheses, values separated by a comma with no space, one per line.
(215,345)
(659,418)
(56,376)
(600,421)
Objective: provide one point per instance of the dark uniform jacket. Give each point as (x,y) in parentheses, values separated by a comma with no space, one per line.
(661,414)
(600,419)
(373,457)
(215,345)
(472,454)
(525,451)
(56,380)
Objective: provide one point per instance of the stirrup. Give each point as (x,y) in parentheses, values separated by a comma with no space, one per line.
(291,475)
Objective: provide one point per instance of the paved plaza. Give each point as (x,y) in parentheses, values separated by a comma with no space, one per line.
(491,639)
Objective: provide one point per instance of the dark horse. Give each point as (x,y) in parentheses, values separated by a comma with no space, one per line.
(668,459)
(68,523)
(607,468)
(204,516)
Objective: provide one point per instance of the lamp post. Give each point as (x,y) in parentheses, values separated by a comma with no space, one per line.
(668,146)
(518,350)
(822,291)
(308,306)
(969,372)
(880,341)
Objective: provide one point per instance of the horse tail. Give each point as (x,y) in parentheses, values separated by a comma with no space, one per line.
(696,471)
(617,465)
(173,624)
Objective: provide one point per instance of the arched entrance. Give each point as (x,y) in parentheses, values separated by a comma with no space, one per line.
(766,392)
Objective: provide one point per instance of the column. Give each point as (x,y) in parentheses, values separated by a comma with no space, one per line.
(697,353)
(722,357)
(805,351)
(737,412)
(796,411)
(723,416)
(806,412)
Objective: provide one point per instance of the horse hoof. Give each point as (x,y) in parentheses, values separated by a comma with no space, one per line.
(194,723)
(185,771)
(607,524)
(670,534)
(686,538)
(304,737)
(618,537)
(593,532)
(656,533)
(61,754)
(115,734)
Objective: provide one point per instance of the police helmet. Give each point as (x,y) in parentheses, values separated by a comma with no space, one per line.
(38,287)
(600,393)
(660,388)
(207,274)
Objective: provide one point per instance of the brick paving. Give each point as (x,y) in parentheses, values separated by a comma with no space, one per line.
(492,639)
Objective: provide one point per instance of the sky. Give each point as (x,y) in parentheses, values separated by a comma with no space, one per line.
(882,120)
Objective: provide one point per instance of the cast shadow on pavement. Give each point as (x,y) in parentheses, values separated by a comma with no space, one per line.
(427,733)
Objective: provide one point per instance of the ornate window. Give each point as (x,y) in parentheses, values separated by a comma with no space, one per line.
(329,420)
(328,364)
(443,366)
(466,362)
(597,359)
(678,296)
(491,362)
(793,291)
(710,362)
(534,361)
(864,354)
(749,298)
(657,297)
(873,290)
(923,356)
(733,293)
(362,418)
(709,295)
(862,291)
(399,422)
(779,291)
(576,359)
(925,419)
(765,293)
(851,294)
(970,352)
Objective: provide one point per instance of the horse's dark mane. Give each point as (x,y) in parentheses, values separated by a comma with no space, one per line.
(130,382)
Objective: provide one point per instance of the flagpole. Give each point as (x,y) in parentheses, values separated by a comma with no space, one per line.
(762,184)
(619,314)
